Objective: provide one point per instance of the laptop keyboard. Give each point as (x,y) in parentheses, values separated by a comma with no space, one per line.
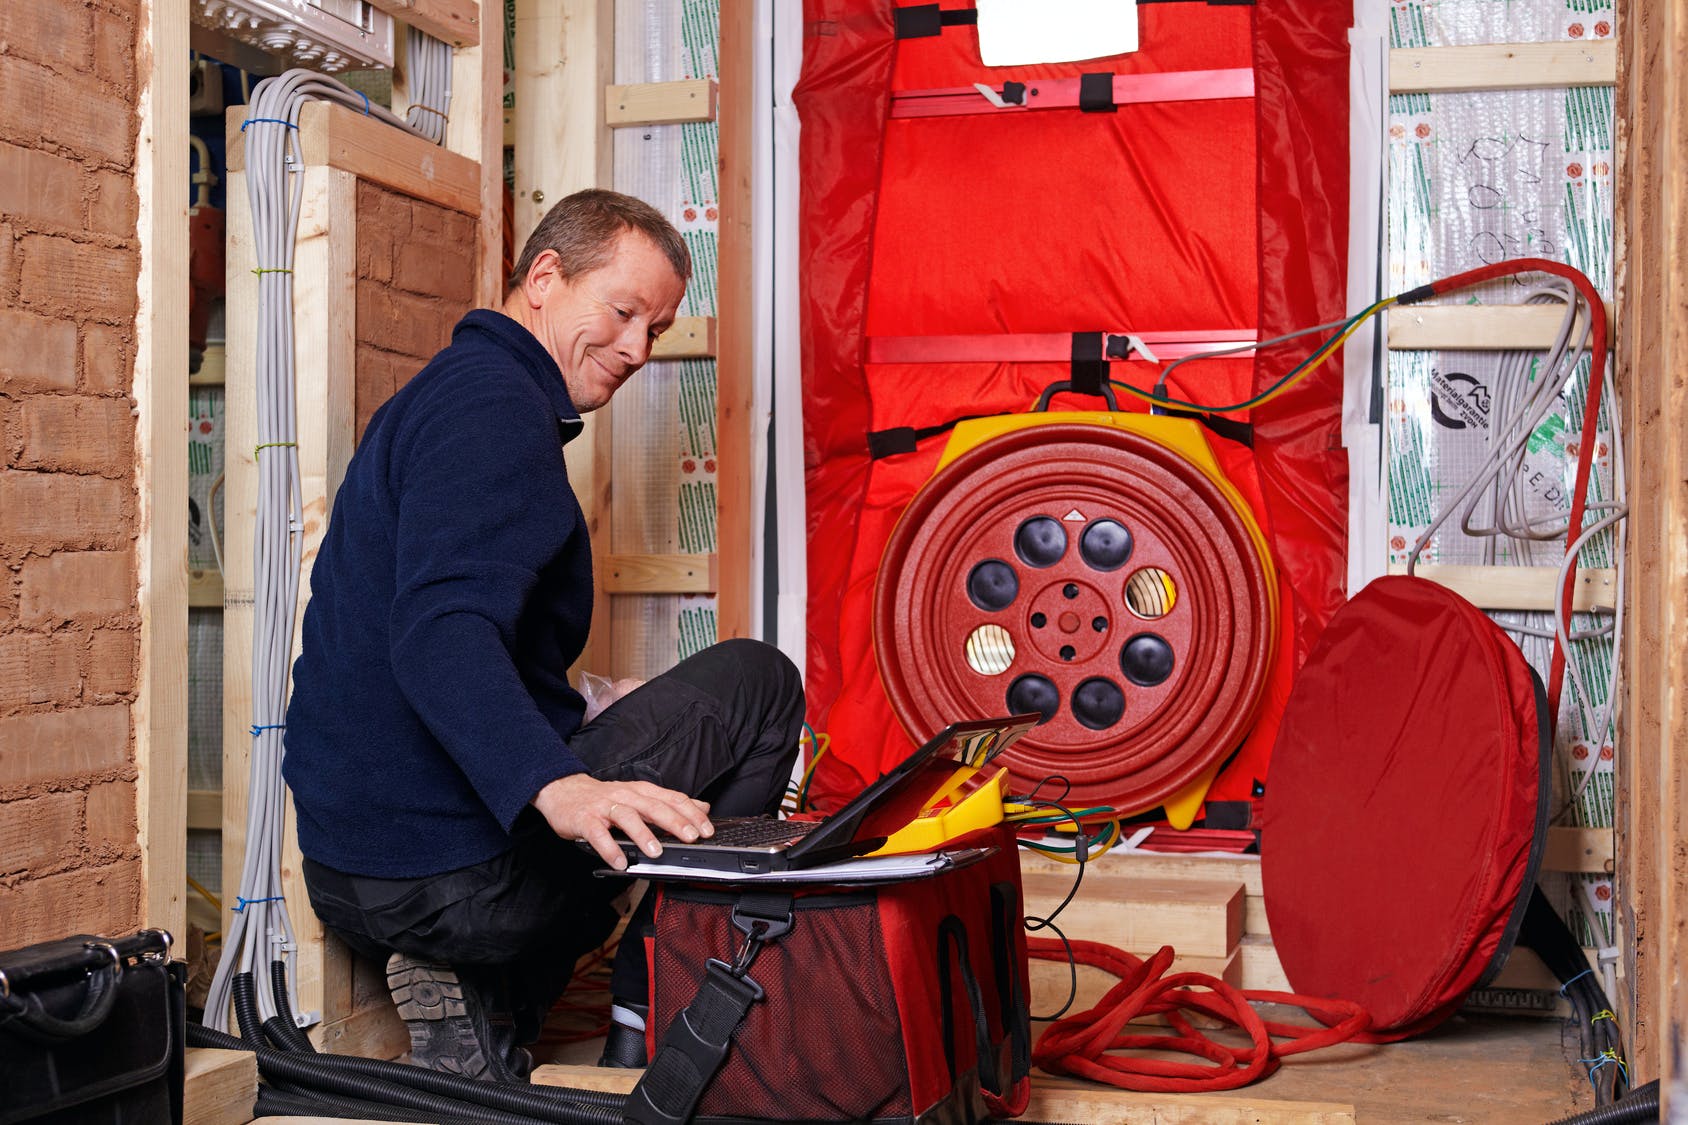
(751,831)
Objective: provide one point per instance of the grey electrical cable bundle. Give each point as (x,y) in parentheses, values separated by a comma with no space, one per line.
(428,81)
(261,932)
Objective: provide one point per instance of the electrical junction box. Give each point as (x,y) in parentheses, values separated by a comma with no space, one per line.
(324,35)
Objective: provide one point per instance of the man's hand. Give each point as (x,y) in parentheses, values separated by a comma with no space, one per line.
(580,807)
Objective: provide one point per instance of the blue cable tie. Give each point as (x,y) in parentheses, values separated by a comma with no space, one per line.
(260,728)
(242,902)
(1574,980)
(268,121)
(365,98)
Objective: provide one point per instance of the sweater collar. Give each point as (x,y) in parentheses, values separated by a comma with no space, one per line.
(522,344)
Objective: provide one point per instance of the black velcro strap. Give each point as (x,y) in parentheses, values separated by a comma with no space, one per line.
(1228,428)
(922,21)
(1096,93)
(904,439)
(692,1050)
(1089,368)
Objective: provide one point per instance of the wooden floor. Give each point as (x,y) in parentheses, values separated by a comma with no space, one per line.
(1482,1070)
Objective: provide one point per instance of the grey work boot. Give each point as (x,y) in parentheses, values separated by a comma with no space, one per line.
(452,1026)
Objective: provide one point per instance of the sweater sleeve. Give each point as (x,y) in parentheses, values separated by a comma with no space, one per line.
(484,504)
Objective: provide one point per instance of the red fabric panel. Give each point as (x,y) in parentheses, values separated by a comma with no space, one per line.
(1402,806)
(1159,216)
(843,99)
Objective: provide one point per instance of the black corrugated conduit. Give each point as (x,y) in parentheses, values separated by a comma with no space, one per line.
(1640,1104)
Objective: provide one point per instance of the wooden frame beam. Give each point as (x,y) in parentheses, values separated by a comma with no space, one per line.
(159,717)
(660,574)
(457,22)
(1503,66)
(735,365)
(1651,275)
(691,337)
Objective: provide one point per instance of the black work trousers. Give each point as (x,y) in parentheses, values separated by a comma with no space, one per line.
(722,725)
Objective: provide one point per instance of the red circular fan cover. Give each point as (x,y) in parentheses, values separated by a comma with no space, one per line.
(1405,805)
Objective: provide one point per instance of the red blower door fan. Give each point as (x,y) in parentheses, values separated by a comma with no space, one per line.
(1098,569)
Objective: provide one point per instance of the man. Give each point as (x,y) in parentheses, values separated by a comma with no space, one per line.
(435,750)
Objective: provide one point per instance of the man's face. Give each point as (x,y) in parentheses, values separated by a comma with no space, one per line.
(599,326)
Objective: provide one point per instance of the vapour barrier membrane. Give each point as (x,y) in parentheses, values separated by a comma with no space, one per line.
(664,419)
(1476,178)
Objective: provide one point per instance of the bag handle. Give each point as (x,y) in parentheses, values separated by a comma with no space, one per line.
(951,930)
(29,1018)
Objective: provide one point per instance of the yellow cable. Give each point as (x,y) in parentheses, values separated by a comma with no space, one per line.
(208,896)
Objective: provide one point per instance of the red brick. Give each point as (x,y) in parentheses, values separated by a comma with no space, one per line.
(61,745)
(37,353)
(39,187)
(78,586)
(68,110)
(97,900)
(78,434)
(111,817)
(36,833)
(376,251)
(37,668)
(78,277)
(114,50)
(113,208)
(9,439)
(107,360)
(8,264)
(47,510)
(53,33)
(111,664)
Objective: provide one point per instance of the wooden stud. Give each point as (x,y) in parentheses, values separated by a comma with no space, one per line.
(205,589)
(564,59)
(1260,966)
(1588,850)
(661,103)
(205,809)
(1244,869)
(660,574)
(1519,587)
(1198,919)
(1052,981)
(690,337)
(333,136)
(476,131)
(1476,327)
(457,22)
(1503,66)
(735,367)
(219,1087)
(159,715)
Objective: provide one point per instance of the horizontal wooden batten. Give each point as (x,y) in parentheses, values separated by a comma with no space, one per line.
(218,1087)
(205,810)
(659,574)
(691,337)
(457,22)
(1520,587)
(659,103)
(1585,850)
(1477,327)
(205,589)
(1503,66)
(333,136)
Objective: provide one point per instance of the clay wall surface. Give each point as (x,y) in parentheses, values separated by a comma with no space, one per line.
(69,620)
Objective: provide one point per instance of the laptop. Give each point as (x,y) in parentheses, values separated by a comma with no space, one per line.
(758,844)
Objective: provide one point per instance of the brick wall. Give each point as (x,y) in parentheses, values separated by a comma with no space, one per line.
(416,266)
(69,861)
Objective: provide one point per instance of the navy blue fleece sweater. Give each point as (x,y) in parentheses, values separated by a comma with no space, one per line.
(451,594)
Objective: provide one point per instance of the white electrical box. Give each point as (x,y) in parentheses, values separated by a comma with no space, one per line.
(326,35)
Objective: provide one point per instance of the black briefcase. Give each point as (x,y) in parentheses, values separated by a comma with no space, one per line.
(92,1031)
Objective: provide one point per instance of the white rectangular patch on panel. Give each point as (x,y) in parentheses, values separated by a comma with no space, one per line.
(1021,32)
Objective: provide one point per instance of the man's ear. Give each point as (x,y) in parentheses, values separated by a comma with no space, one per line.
(542,276)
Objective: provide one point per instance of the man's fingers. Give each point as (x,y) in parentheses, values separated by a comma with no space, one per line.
(604,844)
(631,820)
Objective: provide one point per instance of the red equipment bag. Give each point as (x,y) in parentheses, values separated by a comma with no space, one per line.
(900,1002)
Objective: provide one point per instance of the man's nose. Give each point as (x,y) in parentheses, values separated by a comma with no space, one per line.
(634,344)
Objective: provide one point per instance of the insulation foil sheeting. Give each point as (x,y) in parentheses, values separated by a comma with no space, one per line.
(664,420)
(1478,178)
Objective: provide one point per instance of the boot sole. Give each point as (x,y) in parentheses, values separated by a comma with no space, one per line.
(429,998)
